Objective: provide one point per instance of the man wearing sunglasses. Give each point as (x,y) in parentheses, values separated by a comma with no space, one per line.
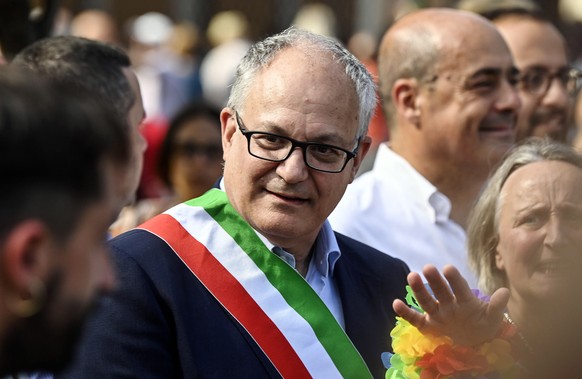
(548,84)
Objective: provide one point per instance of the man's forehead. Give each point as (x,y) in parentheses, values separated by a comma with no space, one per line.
(310,84)
(526,37)
(496,64)
(471,54)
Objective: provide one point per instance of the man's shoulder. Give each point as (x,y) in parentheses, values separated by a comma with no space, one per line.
(135,242)
(144,253)
(359,253)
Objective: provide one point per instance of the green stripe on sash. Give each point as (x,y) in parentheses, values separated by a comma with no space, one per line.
(294,289)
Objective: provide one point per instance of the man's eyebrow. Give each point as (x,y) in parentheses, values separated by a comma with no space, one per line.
(331,138)
(487,71)
(544,68)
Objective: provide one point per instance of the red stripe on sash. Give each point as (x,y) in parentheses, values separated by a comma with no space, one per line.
(231,294)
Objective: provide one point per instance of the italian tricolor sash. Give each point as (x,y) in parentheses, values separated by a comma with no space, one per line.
(273,302)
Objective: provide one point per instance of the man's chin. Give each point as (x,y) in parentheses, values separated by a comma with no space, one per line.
(35,349)
(48,340)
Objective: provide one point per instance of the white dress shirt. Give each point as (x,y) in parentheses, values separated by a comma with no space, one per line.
(396,210)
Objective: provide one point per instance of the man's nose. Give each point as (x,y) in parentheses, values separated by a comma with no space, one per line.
(293,169)
(508,98)
(556,95)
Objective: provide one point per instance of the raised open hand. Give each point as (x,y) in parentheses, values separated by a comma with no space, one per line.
(454,310)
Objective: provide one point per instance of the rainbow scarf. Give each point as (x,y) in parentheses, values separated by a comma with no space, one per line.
(271,300)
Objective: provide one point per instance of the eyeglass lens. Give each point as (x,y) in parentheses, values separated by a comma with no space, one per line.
(278,148)
(538,80)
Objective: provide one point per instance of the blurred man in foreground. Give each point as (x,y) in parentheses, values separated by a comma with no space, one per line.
(61,159)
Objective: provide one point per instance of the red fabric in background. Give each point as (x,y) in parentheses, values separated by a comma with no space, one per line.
(154,131)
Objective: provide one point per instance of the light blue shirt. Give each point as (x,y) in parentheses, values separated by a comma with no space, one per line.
(325,253)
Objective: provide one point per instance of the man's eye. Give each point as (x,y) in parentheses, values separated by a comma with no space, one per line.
(534,80)
(485,84)
(325,153)
(323,150)
(270,141)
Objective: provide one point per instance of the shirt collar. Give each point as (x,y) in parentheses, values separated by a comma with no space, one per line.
(435,202)
(325,251)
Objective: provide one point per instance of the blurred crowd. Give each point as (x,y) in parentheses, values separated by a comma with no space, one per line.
(177,64)
(465,99)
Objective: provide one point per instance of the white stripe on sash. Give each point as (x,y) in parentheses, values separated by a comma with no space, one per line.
(224,248)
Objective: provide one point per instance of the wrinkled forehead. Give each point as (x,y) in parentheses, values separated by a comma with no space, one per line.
(303,79)
(556,179)
(533,42)
(470,54)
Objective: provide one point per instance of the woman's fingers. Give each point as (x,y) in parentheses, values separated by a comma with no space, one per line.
(413,317)
(439,286)
(425,299)
(458,284)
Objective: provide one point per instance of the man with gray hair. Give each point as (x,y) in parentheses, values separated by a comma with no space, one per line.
(447,81)
(249,280)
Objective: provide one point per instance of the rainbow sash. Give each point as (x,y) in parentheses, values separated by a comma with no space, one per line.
(271,300)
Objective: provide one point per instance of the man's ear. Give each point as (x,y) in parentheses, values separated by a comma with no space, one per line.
(228,127)
(365,144)
(26,254)
(406,99)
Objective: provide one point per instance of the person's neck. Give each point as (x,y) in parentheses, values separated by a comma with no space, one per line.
(533,320)
(302,257)
(302,265)
(300,248)
(516,311)
(462,197)
(461,188)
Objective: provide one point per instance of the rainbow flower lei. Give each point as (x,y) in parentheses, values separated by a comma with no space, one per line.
(419,356)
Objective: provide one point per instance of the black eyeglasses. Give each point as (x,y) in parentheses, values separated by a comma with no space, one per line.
(538,80)
(276,148)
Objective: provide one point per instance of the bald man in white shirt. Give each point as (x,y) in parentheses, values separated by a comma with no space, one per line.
(447,80)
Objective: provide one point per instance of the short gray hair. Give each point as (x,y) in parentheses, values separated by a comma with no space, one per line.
(261,54)
(482,231)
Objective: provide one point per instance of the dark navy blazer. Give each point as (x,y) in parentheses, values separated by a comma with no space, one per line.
(163,323)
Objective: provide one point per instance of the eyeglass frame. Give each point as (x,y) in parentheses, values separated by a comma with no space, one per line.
(295,144)
(572,72)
